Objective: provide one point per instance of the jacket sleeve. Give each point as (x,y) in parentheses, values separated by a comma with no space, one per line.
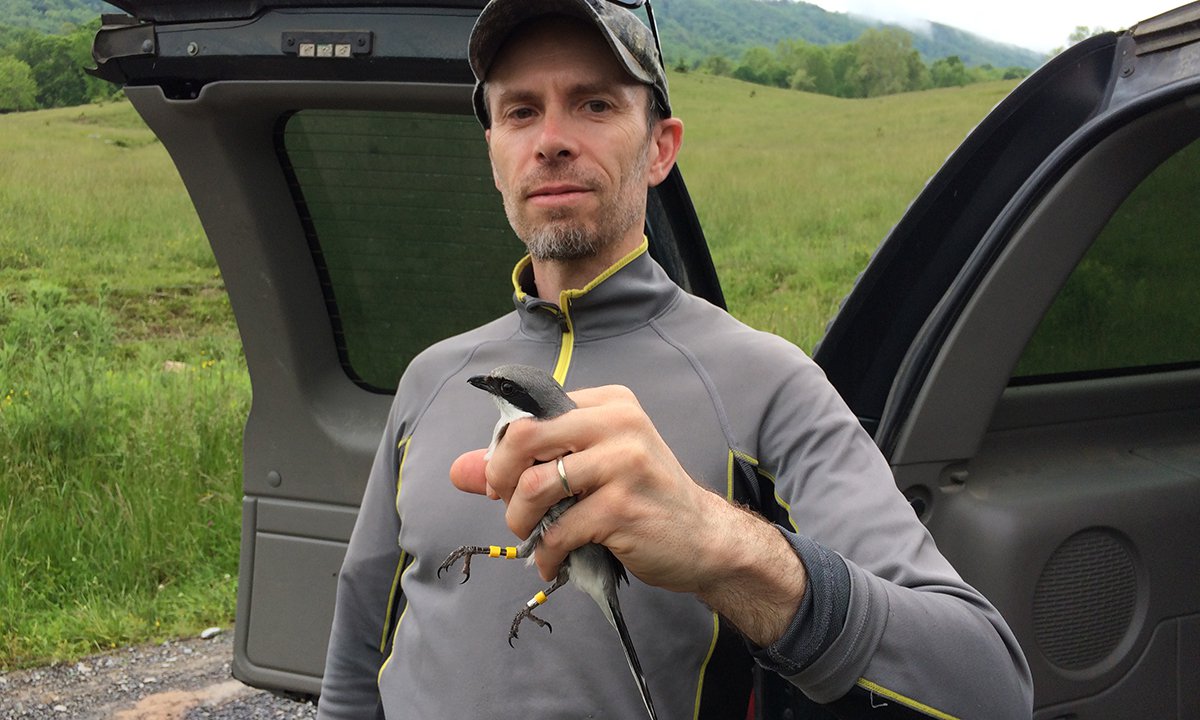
(368,586)
(916,640)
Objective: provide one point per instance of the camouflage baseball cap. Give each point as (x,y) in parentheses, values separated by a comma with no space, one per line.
(628,37)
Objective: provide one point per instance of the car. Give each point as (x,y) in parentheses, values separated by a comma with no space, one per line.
(1023,346)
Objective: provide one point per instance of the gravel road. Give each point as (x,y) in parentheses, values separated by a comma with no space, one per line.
(179,680)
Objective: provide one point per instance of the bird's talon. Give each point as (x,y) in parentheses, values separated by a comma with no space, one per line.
(464,553)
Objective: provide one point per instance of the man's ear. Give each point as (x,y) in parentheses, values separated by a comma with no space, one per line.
(665,141)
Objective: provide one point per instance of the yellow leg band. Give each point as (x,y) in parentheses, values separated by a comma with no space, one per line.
(497,551)
(494,551)
(537,600)
(510,552)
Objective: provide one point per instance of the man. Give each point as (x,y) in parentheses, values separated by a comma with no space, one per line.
(684,410)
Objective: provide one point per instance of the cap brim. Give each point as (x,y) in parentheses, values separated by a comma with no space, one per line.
(501,17)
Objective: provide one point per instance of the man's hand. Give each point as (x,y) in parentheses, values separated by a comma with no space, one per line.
(636,499)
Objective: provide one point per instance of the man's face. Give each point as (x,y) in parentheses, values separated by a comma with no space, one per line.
(569,142)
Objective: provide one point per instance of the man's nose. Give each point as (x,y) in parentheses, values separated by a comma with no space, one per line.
(557,140)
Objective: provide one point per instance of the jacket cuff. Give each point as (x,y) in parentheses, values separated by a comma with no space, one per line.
(822,613)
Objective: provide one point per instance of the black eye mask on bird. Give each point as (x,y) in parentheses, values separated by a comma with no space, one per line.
(520,391)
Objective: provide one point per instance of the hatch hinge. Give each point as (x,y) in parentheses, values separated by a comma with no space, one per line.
(123,36)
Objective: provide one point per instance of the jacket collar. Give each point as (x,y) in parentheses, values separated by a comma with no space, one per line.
(630,293)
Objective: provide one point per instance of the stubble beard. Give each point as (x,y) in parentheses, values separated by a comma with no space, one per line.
(565,236)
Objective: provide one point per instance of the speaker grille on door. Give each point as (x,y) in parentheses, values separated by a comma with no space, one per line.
(1085,598)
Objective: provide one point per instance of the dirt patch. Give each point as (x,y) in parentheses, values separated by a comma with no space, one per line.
(181,680)
(174,704)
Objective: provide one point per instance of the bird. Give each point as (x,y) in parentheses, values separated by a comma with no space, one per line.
(522,391)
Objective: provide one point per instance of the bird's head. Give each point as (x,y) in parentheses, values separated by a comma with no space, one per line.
(526,389)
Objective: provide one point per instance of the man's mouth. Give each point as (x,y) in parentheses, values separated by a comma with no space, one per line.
(557,194)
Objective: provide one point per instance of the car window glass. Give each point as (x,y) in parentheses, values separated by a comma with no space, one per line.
(1130,305)
(406,229)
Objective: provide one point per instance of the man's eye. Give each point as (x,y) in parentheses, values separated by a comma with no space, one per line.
(521,113)
(597,106)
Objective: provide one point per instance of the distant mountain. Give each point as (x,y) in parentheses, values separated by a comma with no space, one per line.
(694,29)
(691,29)
(51,16)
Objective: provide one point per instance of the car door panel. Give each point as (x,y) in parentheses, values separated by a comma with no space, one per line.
(1069,501)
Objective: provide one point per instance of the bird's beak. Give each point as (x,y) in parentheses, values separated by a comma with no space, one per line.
(483,382)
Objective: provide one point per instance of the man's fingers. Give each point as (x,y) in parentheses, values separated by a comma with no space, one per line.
(603,395)
(468,473)
(527,443)
(561,538)
(585,522)
(539,489)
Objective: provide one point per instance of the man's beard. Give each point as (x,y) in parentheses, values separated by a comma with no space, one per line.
(564,236)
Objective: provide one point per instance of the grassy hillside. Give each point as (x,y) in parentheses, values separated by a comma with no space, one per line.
(795,190)
(119,474)
(122,386)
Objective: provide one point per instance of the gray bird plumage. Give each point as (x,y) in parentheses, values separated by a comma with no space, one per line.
(522,391)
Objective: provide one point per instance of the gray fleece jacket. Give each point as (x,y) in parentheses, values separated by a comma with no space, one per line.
(887,627)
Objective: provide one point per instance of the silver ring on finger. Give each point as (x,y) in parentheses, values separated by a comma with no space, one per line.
(562,478)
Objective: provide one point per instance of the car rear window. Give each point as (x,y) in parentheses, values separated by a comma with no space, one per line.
(1130,305)
(406,230)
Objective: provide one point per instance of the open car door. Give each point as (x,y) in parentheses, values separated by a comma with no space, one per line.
(1025,347)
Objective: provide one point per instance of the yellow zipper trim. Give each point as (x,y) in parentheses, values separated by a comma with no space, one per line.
(400,469)
(712,648)
(392,654)
(905,701)
(400,570)
(729,475)
(516,277)
(758,469)
(392,601)
(564,304)
(403,444)
(565,349)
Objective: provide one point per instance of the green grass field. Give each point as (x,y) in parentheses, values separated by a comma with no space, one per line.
(122,386)
(795,191)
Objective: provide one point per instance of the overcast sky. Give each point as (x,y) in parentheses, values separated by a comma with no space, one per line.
(1034,24)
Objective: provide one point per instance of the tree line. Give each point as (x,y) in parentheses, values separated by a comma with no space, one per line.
(41,70)
(881,61)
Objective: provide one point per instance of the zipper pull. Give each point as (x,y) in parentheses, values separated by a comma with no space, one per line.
(558,314)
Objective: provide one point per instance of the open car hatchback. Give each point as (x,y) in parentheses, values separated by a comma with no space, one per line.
(1024,346)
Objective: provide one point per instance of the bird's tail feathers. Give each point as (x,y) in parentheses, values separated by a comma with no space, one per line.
(612,611)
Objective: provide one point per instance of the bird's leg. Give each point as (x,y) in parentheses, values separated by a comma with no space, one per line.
(466,552)
(563,576)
